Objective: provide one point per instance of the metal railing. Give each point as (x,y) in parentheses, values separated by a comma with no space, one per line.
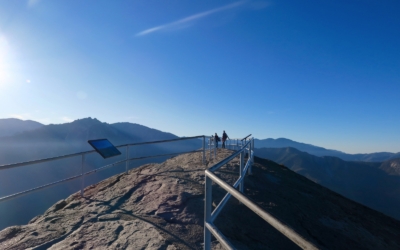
(210,216)
(84,154)
(233,144)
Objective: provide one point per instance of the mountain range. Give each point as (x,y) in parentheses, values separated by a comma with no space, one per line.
(76,135)
(62,139)
(320,151)
(369,181)
(374,184)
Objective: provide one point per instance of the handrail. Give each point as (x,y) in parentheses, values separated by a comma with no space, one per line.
(231,143)
(210,216)
(224,200)
(285,230)
(245,137)
(83,154)
(20,164)
(227,159)
(8,197)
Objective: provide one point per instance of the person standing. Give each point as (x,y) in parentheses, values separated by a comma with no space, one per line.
(216,140)
(224,137)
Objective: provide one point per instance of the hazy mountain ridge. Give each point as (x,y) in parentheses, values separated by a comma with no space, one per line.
(62,139)
(13,126)
(320,151)
(55,140)
(370,183)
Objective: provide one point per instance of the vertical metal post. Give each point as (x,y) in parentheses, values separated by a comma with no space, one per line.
(127,159)
(252,158)
(82,176)
(249,159)
(215,149)
(207,212)
(241,186)
(204,150)
(210,147)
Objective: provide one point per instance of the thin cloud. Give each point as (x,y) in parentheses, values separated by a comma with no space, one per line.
(32,3)
(190,18)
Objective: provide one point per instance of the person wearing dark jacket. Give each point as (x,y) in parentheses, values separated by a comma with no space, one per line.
(216,140)
(224,137)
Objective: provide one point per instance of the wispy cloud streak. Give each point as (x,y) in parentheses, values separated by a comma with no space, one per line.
(32,3)
(190,18)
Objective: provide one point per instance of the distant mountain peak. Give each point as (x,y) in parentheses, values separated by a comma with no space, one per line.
(87,121)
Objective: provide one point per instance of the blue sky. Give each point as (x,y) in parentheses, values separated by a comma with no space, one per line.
(319,72)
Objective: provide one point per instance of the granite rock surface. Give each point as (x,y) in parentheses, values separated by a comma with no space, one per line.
(161,206)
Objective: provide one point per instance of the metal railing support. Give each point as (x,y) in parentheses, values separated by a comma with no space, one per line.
(210,228)
(204,150)
(224,200)
(82,155)
(20,164)
(252,147)
(209,148)
(285,230)
(241,186)
(127,159)
(250,158)
(82,174)
(215,150)
(219,236)
(207,212)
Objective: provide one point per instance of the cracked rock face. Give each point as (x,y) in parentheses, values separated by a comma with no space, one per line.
(161,206)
